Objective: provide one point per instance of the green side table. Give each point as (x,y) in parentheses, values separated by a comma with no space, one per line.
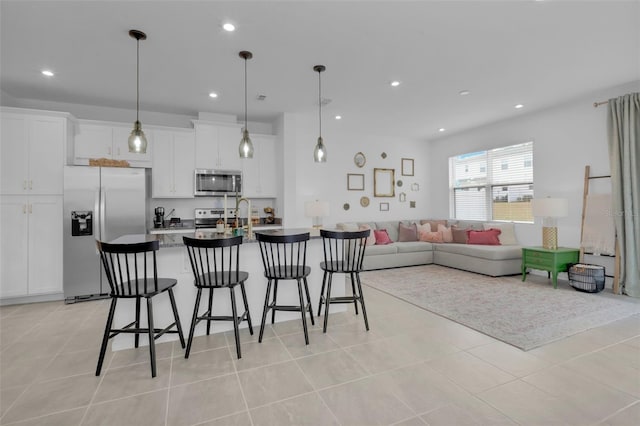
(552,261)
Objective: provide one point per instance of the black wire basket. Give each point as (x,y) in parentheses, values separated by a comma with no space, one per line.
(586,277)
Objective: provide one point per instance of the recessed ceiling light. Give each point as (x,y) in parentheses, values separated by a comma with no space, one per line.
(338,117)
(441,129)
(518,106)
(464,92)
(213,95)
(48,73)
(228,26)
(395,83)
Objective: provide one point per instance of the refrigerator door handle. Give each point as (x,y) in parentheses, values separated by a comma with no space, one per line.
(96,219)
(103,213)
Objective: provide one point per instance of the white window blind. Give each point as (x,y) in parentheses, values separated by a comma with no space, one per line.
(496,184)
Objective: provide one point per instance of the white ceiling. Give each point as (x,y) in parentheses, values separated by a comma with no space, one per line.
(537,53)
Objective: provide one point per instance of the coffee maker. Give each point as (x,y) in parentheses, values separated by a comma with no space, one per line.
(158,220)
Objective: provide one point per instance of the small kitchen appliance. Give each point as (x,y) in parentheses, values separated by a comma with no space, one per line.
(158,220)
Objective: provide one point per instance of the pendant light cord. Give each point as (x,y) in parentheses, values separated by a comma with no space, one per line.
(137,79)
(320,103)
(245,94)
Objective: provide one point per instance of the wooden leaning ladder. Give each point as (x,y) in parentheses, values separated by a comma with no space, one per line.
(616,272)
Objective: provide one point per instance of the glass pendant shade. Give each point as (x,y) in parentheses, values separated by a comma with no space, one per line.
(246,147)
(137,139)
(320,152)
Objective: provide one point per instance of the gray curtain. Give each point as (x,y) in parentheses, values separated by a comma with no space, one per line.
(623,125)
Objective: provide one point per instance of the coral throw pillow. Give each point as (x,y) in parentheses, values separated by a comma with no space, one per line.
(425,234)
(407,232)
(382,237)
(488,237)
(447,234)
(371,239)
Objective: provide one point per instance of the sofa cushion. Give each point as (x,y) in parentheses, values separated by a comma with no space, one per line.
(508,233)
(470,224)
(413,246)
(371,239)
(484,252)
(488,237)
(407,232)
(459,235)
(391,227)
(430,237)
(378,250)
(382,237)
(434,223)
(447,234)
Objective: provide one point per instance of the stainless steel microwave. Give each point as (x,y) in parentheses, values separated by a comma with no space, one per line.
(212,183)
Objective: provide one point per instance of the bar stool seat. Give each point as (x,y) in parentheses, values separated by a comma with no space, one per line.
(216,264)
(127,267)
(284,257)
(343,254)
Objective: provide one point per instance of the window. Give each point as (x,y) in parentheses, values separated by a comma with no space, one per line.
(498,186)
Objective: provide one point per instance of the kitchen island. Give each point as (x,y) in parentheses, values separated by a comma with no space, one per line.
(173,262)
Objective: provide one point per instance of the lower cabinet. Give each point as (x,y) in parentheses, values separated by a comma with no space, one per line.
(30,245)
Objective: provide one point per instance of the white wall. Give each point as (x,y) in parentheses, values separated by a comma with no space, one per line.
(306,180)
(566,137)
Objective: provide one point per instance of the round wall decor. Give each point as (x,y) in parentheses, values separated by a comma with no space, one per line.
(359,159)
(346,206)
(399,183)
(364,201)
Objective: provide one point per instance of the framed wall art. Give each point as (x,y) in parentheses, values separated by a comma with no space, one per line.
(407,167)
(384,207)
(384,183)
(355,182)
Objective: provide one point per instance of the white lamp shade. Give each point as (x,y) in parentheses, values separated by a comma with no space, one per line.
(316,208)
(550,207)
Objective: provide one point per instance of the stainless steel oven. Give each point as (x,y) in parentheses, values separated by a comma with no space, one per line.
(212,183)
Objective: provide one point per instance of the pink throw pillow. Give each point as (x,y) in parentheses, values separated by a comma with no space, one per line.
(488,237)
(382,237)
(371,239)
(425,234)
(447,234)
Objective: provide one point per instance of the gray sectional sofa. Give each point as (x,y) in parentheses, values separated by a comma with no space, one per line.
(495,260)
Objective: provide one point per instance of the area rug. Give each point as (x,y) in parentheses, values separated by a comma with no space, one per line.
(522,314)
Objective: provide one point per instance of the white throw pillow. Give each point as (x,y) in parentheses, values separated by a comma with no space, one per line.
(508,235)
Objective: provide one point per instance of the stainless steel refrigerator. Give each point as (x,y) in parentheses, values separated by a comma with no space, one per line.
(100,203)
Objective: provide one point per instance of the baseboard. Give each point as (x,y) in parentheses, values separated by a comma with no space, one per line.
(32,299)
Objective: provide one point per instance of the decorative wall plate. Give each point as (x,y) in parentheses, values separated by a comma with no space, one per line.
(364,201)
(359,159)
(399,183)
(383,155)
(346,206)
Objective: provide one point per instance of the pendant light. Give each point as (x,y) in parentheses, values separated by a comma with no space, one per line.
(246,147)
(320,152)
(137,139)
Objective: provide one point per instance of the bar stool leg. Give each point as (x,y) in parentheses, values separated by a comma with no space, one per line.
(152,340)
(194,319)
(303,312)
(246,307)
(275,298)
(210,310)
(306,289)
(264,311)
(364,310)
(137,336)
(327,303)
(176,317)
(324,283)
(353,292)
(105,338)
(234,312)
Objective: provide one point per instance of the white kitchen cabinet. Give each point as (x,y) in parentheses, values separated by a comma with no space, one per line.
(32,154)
(260,173)
(30,245)
(217,145)
(173,163)
(103,140)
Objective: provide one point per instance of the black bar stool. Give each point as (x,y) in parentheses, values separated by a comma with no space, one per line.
(216,264)
(343,254)
(127,270)
(285,258)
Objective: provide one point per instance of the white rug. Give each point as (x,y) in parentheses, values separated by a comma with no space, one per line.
(525,315)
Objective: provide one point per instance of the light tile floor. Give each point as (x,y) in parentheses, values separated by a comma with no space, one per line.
(412,368)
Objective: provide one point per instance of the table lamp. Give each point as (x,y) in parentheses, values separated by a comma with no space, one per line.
(549,209)
(316,209)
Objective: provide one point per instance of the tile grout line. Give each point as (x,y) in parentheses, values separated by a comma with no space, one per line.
(235,370)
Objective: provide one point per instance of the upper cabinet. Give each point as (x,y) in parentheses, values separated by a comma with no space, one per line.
(102,140)
(173,163)
(32,150)
(260,172)
(217,145)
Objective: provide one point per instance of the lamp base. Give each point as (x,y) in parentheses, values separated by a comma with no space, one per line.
(550,237)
